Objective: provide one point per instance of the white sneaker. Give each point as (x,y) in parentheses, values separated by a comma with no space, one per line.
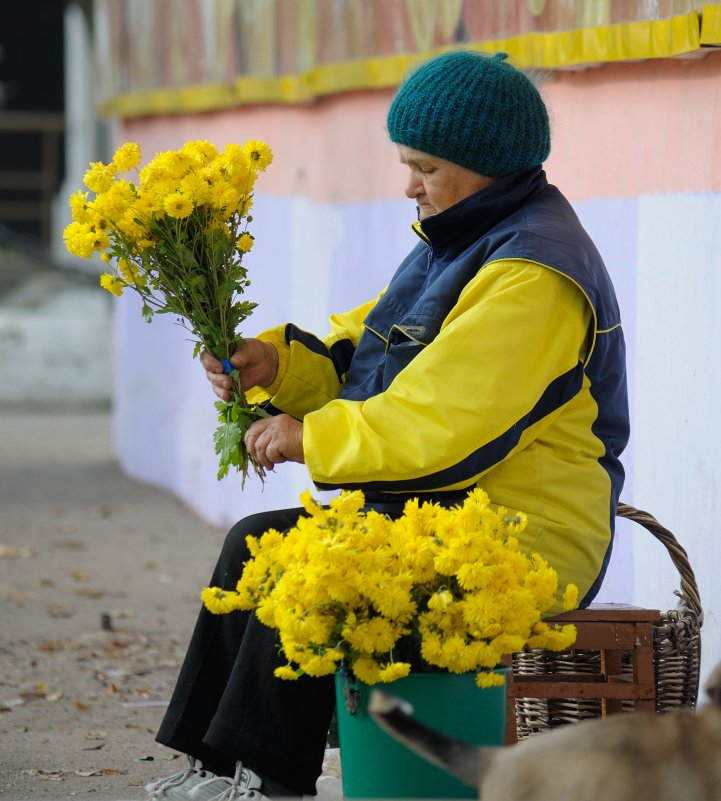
(196,784)
(190,774)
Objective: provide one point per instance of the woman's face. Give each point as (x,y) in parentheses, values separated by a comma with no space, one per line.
(436,184)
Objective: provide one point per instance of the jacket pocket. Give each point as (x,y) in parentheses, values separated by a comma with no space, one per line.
(404,344)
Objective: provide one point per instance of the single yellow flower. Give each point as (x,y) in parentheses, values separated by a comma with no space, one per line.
(245,242)
(131,273)
(127,156)
(79,206)
(112,283)
(394,671)
(570,597)
(286,672)
(99,177)
(178,206)
(490,680)
(217,600)
(440,600)
(258,154)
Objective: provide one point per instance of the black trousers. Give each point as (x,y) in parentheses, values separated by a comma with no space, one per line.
(228,706)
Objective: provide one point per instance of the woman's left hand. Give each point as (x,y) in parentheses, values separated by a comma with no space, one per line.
(273,440)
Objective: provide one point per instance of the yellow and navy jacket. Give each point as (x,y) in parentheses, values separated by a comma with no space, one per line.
(494,357)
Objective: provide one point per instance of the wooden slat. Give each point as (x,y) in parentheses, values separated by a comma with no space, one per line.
(596,636)
(32,121)
(23,210)
(608,612)
(597,690)
(22,179)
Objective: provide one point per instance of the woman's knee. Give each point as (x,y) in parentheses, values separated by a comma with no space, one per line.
(235,548)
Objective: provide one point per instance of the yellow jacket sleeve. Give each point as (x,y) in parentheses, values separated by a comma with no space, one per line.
(311,370)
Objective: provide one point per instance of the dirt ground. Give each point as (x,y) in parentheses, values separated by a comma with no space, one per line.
(99,589)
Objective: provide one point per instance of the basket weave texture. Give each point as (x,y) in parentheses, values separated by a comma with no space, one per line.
(676,646)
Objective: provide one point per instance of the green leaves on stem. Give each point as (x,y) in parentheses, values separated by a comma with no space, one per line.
(234,419)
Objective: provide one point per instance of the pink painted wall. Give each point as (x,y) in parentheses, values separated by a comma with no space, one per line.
(632,129)
(620,130)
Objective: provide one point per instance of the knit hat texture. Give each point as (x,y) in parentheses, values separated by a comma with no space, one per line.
(474,110)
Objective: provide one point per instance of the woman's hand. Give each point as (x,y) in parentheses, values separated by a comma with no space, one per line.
(257,362)
(273,440)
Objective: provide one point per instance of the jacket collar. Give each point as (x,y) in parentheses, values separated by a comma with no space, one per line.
(477,214)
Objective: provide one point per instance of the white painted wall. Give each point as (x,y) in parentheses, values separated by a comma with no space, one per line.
(677,388)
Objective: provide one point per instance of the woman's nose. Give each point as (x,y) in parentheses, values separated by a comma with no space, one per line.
(413,186)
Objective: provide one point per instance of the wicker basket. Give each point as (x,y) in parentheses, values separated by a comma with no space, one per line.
(676,643)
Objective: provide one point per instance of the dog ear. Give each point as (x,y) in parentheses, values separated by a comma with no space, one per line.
(713,686)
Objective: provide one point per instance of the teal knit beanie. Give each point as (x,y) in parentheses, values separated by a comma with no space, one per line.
(474,110)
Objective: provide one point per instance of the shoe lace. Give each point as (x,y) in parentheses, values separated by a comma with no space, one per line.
(194,765)
(239,786)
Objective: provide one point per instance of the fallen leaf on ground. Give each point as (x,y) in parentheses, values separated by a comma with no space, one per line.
(121,613)
(88,592)
(99,772)
(15,552)
(70,545)
(50,775)
(58,611)
(51,645)
(19,595)
(35,692)
(81,705)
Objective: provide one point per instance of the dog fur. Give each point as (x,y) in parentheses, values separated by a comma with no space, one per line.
(625,757)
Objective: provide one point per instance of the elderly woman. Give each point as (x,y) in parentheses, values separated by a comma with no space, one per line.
(494,357)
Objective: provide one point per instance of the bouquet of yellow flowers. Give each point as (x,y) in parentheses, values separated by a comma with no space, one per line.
(177,238)
(438,588)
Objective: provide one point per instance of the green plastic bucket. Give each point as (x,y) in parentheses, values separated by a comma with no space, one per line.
(374,765)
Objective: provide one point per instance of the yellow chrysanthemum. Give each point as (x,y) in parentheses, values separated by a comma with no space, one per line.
(200,151)
(484,680)
(367,670)
(218,601)
(78,240)
(113,204)
(440,600)
(258,154)
(127,156)
(99,177)
(245,242)
(195,189)
(344,583)
(570,597)
(112,283)
(79,206)
(131,273)
(178,206)
(286,672)
(394,671)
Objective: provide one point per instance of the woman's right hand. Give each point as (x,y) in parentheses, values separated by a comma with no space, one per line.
(257,362)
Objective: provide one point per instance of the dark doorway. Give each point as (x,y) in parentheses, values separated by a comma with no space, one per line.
(31,115)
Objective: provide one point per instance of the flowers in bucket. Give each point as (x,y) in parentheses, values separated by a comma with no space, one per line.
(437,589)
(177,237)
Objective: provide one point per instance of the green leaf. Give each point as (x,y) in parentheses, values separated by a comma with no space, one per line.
(227,439)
